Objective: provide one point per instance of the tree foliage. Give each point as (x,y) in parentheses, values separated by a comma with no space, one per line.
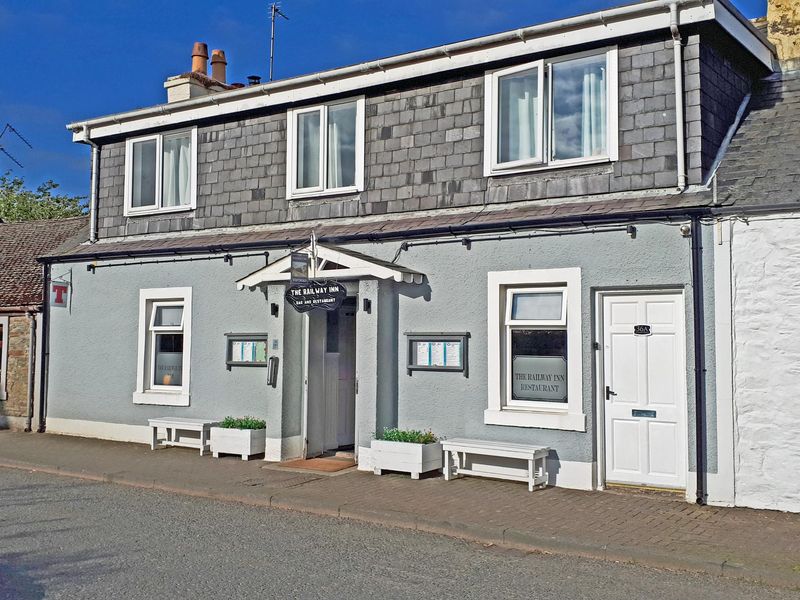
(18,203)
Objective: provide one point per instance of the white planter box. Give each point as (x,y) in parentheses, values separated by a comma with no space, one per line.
(244,442)
(406,457)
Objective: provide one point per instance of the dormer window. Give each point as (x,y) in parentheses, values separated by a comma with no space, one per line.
(554,112)
(161,173)
(325,149)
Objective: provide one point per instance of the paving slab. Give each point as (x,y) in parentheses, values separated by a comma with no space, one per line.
(649,529)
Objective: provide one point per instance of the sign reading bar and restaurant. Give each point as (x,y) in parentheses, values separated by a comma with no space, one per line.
(327,295)
(539,378)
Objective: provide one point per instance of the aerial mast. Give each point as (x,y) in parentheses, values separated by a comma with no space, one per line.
(274,12)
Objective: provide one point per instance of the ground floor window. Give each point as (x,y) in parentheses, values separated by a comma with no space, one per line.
(164,345)
(535,349)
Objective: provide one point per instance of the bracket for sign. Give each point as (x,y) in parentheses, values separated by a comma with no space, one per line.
(438,351)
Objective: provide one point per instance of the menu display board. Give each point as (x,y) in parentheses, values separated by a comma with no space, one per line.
(437,352)
(247,350)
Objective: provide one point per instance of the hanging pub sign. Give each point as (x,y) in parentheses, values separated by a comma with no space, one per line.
(59,294)
(298,270)
(305,297)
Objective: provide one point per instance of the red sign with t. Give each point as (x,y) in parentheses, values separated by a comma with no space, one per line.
(59,294)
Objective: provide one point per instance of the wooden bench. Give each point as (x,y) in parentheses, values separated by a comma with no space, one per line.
(458,461)
(174,426)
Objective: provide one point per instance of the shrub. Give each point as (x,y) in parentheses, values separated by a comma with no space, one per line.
(412,436)
(243,423)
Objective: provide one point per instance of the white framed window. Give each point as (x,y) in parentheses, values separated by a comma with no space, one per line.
(161,173)
(3,355)
(549,113)
(165,336)
(534,346)
(325,149)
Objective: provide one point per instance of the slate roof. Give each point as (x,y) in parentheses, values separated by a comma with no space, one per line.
(762,165)
(21,244)
(599,209)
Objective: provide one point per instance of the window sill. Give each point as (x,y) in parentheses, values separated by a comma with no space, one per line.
(324,193)
(530,418)
(554,166)
(161,398)
(157,211)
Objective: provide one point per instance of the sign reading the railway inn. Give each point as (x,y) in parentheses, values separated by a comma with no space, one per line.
(306,297)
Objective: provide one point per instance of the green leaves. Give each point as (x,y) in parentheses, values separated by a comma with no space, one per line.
(20,204)
(412,436)
(243,423)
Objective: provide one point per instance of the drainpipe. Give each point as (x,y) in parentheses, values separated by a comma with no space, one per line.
(31,369)
(93,193)
(699,358)
(45,349)
(680,118)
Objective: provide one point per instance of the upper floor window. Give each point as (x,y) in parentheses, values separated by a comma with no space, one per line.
(551,112)
(325,149)
(161,172)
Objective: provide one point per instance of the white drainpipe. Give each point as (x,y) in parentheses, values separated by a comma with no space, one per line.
(680,125)
(95,185)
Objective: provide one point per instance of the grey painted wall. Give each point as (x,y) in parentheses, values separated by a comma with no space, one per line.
(424,147)
(93,346)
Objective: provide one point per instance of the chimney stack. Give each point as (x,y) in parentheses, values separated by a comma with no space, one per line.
(783,30)
(218,64)
(200,58)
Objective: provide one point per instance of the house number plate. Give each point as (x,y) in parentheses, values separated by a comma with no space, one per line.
(648,414)
(641,330)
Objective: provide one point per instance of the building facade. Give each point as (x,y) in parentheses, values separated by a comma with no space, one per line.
(521,224)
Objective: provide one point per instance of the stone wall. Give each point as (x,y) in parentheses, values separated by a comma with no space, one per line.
(18,362)
(766,319)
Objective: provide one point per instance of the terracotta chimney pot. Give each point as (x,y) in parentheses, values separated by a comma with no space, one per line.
(200,58)
(218,65)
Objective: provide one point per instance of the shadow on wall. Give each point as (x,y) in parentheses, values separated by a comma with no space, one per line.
(415,290)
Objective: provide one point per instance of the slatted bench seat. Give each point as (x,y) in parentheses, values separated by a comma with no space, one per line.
(460,453)
(177,426)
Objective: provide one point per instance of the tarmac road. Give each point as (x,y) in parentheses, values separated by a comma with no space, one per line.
(65,538)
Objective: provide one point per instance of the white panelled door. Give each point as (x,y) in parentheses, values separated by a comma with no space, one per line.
(644,366)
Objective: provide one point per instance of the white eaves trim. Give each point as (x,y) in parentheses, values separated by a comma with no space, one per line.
(599,26)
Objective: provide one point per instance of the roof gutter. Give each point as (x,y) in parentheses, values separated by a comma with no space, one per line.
(604,18)
(685,213)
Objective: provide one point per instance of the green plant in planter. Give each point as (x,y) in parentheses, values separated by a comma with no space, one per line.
(243,423)
(411,436)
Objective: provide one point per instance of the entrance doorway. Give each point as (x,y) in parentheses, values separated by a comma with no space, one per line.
(331,380)
(644,389)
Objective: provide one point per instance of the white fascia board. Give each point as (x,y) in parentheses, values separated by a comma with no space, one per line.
(603,26)
(743,33)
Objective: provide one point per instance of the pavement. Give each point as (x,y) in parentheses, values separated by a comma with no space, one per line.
(648,529)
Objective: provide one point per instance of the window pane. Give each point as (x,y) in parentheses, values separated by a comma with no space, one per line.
(539,365)
(537,306)
(176,167)
(168,316)
(169,359)
(341,145)
(308,150)
(143,190)
(519,116)
(579,108)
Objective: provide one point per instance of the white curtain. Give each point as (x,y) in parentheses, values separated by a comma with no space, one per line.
(308,150)
(593,138)
(176,168)
(519,117)
(334,158)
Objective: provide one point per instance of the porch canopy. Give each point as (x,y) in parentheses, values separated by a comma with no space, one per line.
(334,262)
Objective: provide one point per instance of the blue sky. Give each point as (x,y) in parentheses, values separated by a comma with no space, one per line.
(66,60)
